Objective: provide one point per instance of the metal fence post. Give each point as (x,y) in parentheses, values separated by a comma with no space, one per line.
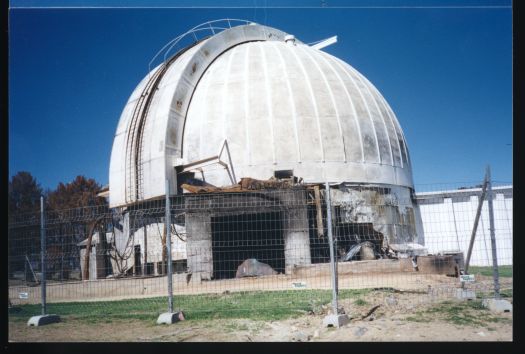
(168,244)
(43,255)
(493,237)
(331,244)
(336,319)
(44,318)
(169,317)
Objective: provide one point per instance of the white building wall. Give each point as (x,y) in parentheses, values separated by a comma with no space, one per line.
(448,219)
(154,242)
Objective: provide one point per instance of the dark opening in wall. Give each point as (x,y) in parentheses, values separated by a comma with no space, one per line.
(177,266)
(137,266)
(349,234)
(345,236)
(281,174)
(236,238)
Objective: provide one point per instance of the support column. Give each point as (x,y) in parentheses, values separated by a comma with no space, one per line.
(296,230)
(199,250)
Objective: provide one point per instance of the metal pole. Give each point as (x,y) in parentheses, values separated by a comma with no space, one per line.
(331,246)
(476,221)
(43,256)
(145,263)
(168,244)
(25,269)
(493,237)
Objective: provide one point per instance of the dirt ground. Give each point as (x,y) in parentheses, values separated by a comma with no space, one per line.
(399,317)
(148,287)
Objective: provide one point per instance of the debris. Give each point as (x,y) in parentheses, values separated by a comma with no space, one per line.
(391,300)
(300,284)
(246,184)
(414,263)
(405,250)
(210,189)
(351,253)
(367,251)
(366,248)
(319,212)
(253,268)
(360,331)
(372,310)
(301,337)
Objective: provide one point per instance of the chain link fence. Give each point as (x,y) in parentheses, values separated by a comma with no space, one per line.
(265,251)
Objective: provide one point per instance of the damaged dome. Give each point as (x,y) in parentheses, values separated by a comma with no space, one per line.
(264,101)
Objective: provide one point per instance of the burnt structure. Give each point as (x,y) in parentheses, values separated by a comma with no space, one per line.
(250,101)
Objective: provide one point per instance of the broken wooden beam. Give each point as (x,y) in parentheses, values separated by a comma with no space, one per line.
(319,212)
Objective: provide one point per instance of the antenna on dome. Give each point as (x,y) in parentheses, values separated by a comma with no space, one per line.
(324,43)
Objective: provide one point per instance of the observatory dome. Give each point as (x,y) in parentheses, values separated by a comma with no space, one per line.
(258,101)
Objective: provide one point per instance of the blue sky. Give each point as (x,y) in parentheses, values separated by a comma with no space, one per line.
(445,70)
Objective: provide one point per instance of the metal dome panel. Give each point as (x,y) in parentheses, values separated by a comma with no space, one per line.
(290,106)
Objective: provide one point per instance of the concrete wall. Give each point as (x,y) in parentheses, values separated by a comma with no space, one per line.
(96,263)
(200,257)
(154,234)
(448,219)
(389,208)
(296,233)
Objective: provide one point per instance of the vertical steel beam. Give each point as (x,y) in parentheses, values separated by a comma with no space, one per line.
(43,255)
(145,263)
(332,251)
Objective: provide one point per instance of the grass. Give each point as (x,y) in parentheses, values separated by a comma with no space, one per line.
(504,271)
(360,302)
(504,293)
(469,313)
(255,305)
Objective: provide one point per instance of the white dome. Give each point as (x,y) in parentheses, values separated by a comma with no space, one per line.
(280,105)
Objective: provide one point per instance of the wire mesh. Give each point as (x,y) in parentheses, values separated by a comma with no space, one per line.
(235,253)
